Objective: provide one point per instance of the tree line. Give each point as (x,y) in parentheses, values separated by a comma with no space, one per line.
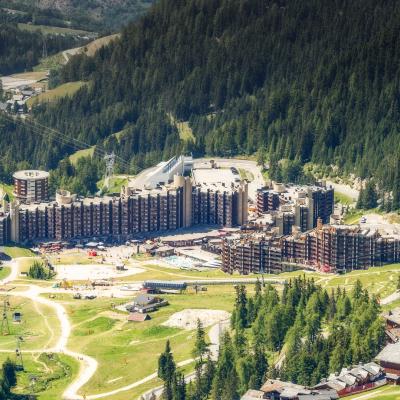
(21,50)
(307,80)
(300,335)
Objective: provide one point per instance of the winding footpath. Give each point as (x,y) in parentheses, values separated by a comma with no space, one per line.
(88,365)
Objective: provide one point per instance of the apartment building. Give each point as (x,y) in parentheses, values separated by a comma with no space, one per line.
(329,248)
(165,207)
(31,185)
(296,206)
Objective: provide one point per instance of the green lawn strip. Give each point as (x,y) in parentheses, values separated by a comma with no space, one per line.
(388,392)
(136,392)
(156,271)
(343,198)
(81,153)
(53,29)
(17,251)
(66,89)
(9,189)
(116,184)
(353,217)
(133,348)
(33,327)
(54,62)
(4,272)
(24,263)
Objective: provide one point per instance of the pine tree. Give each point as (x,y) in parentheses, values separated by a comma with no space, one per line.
(9,373)
(200,346)
(166,364)
(179,387)
(225,380)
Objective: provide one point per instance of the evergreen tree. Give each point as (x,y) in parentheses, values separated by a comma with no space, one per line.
(166,365)
(200,346)
(9,374)
(225,380)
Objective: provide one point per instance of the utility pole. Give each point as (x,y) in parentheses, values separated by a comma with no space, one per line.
(110,161)
(5,326)
(19,361)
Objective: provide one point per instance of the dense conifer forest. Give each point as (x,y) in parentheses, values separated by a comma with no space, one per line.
(89,15)
(308,80)
(21,50)
(300,335)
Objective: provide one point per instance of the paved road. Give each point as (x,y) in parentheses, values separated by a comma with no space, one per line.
(391,298)
(380,223)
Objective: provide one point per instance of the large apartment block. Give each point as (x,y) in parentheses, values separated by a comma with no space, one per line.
(118,217)
(166,207)
(327,248)
(296,206)
(31,185)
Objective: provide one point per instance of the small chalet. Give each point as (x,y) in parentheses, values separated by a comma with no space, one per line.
(145,303)
(389,358)
(138,317)
(392,319)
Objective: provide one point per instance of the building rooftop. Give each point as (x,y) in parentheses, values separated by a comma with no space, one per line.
(219,178)
(31,174)
(390,353)
(252,394)
(393,316)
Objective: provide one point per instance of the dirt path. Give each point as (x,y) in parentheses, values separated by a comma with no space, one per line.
(214,334)
(88,364)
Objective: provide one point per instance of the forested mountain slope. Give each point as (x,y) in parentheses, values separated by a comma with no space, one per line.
(308,79)
(92,15)
(21,50)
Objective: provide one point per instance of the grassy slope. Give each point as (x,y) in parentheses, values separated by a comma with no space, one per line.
(343,199)
(81,153)
(8,189)
(17,251)
(115,184)
(93,46)
(53,374)
(53,29)
(4,272)
(129,342)
(52,62)
(388,392)
(32,75)
(184,130)
(37,333)
(67,89)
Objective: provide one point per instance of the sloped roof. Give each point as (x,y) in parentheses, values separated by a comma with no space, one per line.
(138,317)
(390,353)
